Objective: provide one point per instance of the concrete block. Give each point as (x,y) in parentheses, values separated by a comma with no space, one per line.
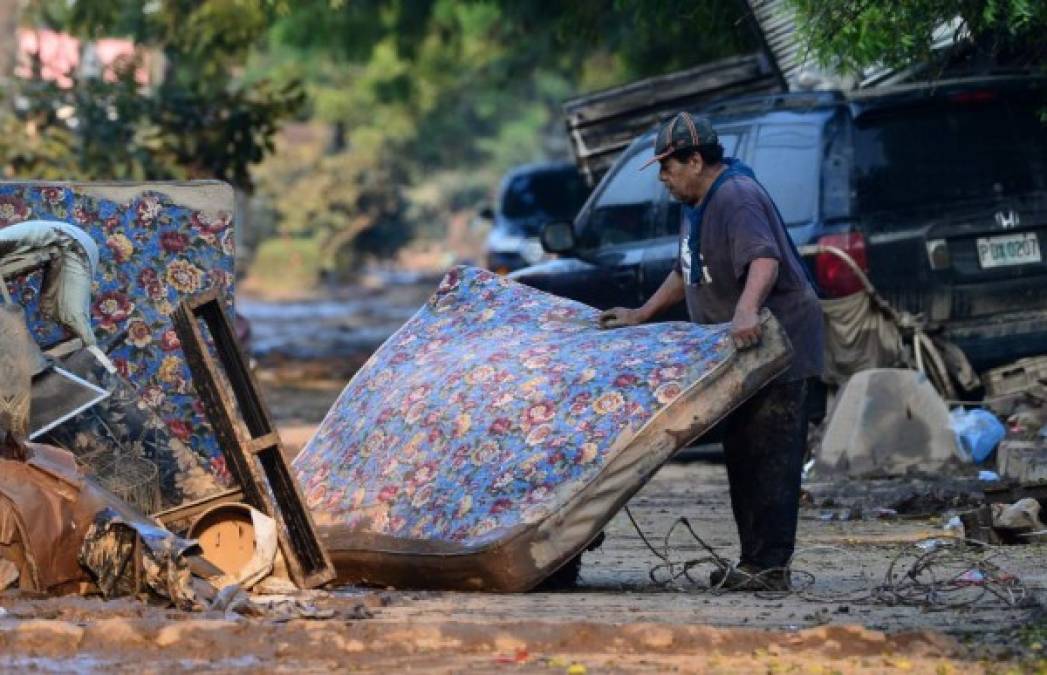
(887,422)
(1022,461)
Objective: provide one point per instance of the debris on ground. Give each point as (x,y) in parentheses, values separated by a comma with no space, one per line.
(248,436)
(239,539)
(887,422)
(978,432)
(69,257)
(61,529)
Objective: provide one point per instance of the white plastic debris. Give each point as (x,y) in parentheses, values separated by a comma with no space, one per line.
(988,475)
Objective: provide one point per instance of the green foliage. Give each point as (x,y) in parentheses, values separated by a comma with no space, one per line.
(434,96)
(650,38)
(424,97)
(286,266)
(346,203)
(854,34)
(199,122)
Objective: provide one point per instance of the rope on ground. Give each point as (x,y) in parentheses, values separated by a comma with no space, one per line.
(939,573)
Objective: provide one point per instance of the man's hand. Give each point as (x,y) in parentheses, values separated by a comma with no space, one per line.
(620,317)
(745,328)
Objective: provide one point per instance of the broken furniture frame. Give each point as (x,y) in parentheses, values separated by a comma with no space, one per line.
(250,444)
(178,518)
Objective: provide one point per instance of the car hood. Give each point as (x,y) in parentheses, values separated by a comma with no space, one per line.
(556,266)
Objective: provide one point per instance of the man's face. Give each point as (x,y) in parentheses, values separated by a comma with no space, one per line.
(681,178)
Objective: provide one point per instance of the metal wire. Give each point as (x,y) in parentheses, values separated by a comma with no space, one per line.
(939,573)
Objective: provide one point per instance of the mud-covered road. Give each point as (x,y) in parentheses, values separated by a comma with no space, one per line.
(616,620)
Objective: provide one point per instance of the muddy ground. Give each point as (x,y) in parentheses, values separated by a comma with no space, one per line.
(616,620)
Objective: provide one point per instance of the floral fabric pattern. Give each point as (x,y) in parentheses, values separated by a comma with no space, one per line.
(489,409)
(153,252)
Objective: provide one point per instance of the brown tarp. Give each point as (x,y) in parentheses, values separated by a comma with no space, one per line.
(44,514)
(64,533)
(858,335)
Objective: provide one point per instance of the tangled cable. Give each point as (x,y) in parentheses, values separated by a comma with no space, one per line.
(935,573)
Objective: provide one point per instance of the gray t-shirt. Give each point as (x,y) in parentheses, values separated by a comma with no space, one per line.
(739,225)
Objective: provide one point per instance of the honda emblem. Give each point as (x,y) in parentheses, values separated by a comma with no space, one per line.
(1008,220)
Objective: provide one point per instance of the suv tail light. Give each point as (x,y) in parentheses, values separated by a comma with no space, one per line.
(834,275)
(976,96)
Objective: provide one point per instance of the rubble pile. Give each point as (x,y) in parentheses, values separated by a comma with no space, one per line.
(103,487)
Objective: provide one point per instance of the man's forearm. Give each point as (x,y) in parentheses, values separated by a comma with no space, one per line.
(668,294)
(763,273)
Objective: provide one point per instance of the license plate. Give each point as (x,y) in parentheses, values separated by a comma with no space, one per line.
(1009,249)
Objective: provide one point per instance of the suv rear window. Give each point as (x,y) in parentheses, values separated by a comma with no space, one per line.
(785,160)
(973,145)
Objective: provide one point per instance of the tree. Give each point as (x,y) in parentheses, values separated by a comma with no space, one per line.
(198,121)
(419,89)
(851,35)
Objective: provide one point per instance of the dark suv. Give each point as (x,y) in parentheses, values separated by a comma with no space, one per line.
(529,197)
(938,191)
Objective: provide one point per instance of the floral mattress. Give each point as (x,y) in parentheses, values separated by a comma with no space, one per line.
(158,243)
(490,439)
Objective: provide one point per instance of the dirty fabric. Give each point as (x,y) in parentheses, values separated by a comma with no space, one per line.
(65,294)
(887,422)
(858,336)
(491,407)
(42,518)
(19,359)
(158,243)
(109,549)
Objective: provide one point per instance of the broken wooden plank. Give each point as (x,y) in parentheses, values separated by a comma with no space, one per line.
(249,441)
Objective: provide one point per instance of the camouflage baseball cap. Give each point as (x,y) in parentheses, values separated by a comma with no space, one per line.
(681,132)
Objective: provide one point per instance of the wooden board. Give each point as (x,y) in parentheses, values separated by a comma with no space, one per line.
(248,440)
(602,124)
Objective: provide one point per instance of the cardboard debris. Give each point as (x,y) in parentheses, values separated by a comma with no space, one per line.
(1023,514)
(1003,523)
(239,540)
(8,574)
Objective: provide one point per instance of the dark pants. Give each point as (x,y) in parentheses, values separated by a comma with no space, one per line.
(764,443)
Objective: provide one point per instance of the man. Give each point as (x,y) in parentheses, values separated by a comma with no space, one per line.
(735,258)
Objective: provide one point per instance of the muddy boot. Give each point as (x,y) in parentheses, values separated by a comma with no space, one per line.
(746,577)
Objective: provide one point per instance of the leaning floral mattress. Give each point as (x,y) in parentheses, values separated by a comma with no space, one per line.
(493,436)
